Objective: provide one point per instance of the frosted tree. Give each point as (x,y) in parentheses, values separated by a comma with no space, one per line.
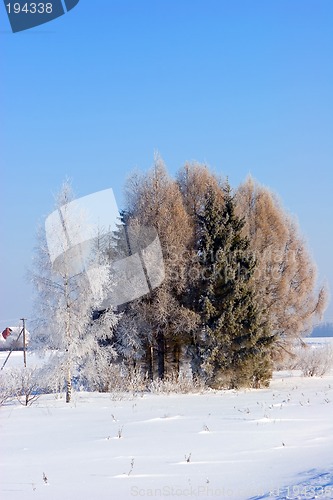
(65,297)
(154,200)
(194,181)
(286,275)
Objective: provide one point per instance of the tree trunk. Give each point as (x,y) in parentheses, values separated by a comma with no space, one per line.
(68,385)
(161,355)
(196,359)
(176,354)
(149,362)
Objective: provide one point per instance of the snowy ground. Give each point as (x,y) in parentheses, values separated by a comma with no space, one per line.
(272,443)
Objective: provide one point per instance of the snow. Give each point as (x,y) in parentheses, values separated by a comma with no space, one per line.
(252,444)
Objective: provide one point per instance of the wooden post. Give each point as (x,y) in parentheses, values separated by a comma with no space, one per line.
(24,344)
(12,348)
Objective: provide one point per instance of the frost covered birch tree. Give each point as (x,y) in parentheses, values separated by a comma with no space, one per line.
(65,298)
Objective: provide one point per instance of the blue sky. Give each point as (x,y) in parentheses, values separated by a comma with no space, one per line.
(243,85)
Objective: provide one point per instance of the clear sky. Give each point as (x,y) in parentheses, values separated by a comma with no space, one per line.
(243,85)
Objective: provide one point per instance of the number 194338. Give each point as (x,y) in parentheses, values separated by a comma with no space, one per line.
(29,8)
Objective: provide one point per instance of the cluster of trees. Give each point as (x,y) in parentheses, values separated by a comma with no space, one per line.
(239,287)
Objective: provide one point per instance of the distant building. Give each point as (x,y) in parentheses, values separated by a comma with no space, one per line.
(8,338)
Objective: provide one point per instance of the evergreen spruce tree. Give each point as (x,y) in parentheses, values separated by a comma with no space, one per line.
(236,342)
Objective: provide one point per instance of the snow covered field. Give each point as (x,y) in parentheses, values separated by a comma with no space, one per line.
(257,444)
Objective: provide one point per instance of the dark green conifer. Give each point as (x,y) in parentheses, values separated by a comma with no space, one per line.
(236,344)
